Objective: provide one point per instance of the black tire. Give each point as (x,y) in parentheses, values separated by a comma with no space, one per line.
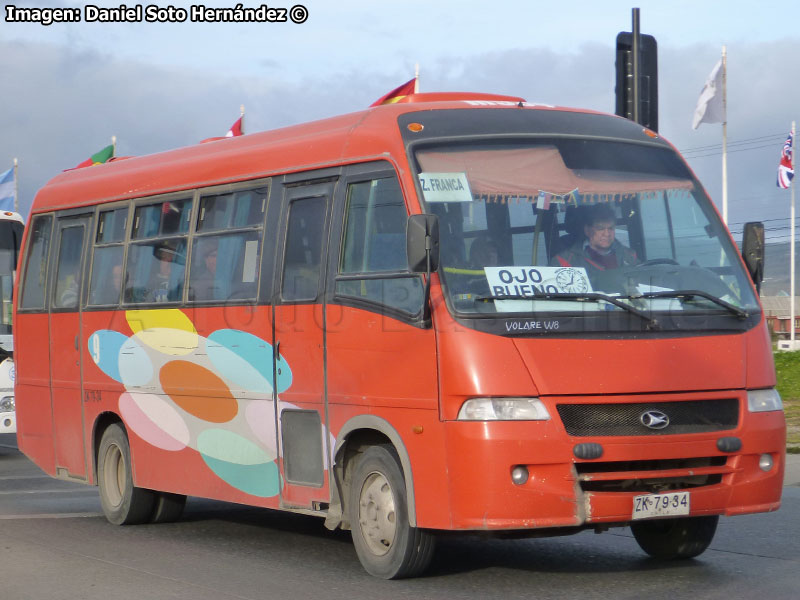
(387,546)
(168,507)
(669,539)
(123,504)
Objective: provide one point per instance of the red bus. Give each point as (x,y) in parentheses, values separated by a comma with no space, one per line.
(459,312)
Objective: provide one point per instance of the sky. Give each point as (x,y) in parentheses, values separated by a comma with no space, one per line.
(68,87)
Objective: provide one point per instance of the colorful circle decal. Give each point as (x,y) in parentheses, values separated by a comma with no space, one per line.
(135,367)
(168,331)
(211,395)
(104,346)
(237,370)
(198,391)
(155,421)
(252,349)
(239,462)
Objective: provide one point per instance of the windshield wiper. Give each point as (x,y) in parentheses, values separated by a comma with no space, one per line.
(590,297)
(689,295)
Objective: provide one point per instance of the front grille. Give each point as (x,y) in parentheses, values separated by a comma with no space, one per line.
(692,416)
(651,476)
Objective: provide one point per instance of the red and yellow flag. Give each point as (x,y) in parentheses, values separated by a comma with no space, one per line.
(398,93)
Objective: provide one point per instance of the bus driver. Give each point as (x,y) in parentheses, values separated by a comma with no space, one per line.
(599,250)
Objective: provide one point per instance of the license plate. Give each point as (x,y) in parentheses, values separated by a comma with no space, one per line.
(660,505)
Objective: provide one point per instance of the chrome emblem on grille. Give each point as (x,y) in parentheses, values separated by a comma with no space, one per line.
(654,419)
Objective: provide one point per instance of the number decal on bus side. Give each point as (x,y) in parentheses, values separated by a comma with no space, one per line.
(95,348)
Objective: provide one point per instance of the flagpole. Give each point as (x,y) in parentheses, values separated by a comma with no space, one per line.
(241,115)
(416,78)
(113,145)
(16,188)
(792,185)
(724,135)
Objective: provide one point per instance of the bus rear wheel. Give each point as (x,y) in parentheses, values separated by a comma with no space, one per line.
(168,507)
(387,546)
(670,539)
(123,504)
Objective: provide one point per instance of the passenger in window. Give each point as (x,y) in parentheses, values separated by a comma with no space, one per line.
(116,278)
(107,294)
(204,274)
(160,284)
(599,250)
(69,295)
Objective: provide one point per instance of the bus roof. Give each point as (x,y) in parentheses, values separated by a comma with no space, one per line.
(318,144)
(8,215)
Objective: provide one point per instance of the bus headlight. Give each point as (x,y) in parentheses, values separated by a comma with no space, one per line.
(764,400)
(7,404)
(503,409)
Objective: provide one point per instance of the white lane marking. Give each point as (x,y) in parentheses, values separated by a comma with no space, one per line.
(49,516)
(80,490)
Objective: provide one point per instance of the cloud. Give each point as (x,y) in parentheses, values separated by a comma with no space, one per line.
(64,103)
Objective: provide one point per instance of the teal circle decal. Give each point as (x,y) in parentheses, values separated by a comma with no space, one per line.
(252,349)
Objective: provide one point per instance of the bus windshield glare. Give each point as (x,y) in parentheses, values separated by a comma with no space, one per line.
(569,225)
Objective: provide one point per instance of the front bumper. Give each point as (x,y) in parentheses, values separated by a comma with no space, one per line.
(564,491)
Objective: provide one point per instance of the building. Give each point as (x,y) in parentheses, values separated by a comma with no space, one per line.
(777,311)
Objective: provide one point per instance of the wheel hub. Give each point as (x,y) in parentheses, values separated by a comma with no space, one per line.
(376,514)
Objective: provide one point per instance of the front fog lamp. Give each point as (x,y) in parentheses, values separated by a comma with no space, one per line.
(7,404)
(503,409)
(764,400)
(765,462)
(519,474)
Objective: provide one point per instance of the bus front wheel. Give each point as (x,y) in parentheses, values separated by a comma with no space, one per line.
(123,504)
(669,539)
(387,546)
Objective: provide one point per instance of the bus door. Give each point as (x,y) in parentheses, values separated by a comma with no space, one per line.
(299,353)
(66,342)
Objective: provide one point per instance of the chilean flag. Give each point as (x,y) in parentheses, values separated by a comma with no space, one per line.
(785,171)
(236,128)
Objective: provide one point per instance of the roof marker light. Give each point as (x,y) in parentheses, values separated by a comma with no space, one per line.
(415,127)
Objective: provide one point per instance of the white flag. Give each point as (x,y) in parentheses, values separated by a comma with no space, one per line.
(709,105)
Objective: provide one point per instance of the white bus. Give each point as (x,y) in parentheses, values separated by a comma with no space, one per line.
(11,228)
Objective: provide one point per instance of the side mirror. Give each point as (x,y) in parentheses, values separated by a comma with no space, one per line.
(753,251)
(422,243)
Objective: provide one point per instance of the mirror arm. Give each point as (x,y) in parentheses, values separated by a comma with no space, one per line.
(426,292)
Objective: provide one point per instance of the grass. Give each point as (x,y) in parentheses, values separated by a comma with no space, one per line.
(787,367)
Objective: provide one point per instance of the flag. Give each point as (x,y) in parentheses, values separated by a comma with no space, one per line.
(709,105)
(236,129)
(7,190)
(398,93)
(785,171)
(543,200)
(98,158)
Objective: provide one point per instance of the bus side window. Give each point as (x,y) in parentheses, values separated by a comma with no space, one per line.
(106,281)
(303,253)
(34,285)
(225,267)
(68,271)
(155,271)
(375,242)
(224,262)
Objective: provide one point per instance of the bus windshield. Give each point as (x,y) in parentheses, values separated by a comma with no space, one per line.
(570,225)
(10,238)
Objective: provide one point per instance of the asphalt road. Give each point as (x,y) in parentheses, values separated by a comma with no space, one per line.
(55,544)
